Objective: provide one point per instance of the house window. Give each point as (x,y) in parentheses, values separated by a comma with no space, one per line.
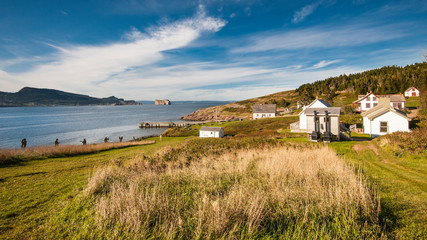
(383,127)
(399,105)
(395,105)
(374,98)
(375,104)
(368,105)
(368,99)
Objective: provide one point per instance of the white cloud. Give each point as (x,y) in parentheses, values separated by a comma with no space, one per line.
(321,37)
(301,14)
(324,63)
(79,68)
(210,81)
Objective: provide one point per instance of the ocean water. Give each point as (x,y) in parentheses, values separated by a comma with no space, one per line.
(42,125)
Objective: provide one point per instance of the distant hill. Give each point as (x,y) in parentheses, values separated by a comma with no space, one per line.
(49,97)
(340,91)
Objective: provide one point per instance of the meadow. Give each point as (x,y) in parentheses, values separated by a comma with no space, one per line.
(218,188)
(277,186)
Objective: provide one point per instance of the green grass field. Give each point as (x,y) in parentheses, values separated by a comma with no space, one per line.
(401,182)
(36,190)
(43,198)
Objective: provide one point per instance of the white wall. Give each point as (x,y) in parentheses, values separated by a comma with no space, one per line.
(213,134)
(370,101)
(409,93)
(394,121)
(303,121)
(263,115)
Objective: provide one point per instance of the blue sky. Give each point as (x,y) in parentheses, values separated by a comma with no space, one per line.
(201,50)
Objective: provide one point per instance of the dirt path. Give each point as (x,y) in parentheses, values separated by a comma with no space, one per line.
(359,147)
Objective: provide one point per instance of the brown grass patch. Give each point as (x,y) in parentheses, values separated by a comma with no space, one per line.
(307,191)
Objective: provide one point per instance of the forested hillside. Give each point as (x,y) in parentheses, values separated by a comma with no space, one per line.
(385,80)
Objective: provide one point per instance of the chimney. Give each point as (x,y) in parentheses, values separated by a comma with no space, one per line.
(385,101)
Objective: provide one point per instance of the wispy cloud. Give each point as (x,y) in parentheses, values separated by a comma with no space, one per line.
(79,68)
(324,63)
(301,14)
(321,37)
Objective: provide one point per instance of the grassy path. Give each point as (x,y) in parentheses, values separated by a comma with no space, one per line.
(401,182)
(32,192)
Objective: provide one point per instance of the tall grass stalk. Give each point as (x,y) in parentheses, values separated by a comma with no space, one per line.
(278,192)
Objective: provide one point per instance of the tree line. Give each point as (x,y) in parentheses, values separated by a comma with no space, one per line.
(385,80)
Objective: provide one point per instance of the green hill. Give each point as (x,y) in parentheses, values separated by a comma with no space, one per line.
(340,91)
(49,97)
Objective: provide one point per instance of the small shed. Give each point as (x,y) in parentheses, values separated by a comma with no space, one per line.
(324,121)
(384,119)
(211,132)
(264,111)
(412,92)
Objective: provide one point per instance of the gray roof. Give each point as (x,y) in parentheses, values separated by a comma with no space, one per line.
(264,108)
(394,97)
(212,129)
(321,111)
(380,110)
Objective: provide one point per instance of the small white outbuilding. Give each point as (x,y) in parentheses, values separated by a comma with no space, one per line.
(412,92)
(384,119)
(211,132)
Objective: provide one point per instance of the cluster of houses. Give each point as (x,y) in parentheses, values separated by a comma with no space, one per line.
(382,114)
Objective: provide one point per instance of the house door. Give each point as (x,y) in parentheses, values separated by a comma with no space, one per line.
(414,94)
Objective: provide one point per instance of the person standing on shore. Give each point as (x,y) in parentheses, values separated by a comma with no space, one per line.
(56,142)
(121,138)
(24,143)
(106,139)
(84,141)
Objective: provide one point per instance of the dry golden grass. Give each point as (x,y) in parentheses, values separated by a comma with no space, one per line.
(16,155)
(294,191)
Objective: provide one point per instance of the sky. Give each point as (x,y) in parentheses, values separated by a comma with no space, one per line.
(201,49)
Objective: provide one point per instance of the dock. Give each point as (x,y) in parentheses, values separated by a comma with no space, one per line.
(167,124)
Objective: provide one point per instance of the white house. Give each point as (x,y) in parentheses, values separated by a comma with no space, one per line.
(370,100)
(263,111)
(213,132)
(384,119)
(318,103)
(412,92)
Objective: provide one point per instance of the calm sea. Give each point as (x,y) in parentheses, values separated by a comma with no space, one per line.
(42,125)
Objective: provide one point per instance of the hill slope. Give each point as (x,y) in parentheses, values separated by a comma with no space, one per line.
(47,97)
(340,91)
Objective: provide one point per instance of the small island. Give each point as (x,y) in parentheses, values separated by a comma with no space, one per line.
(28,97)
(162,102)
